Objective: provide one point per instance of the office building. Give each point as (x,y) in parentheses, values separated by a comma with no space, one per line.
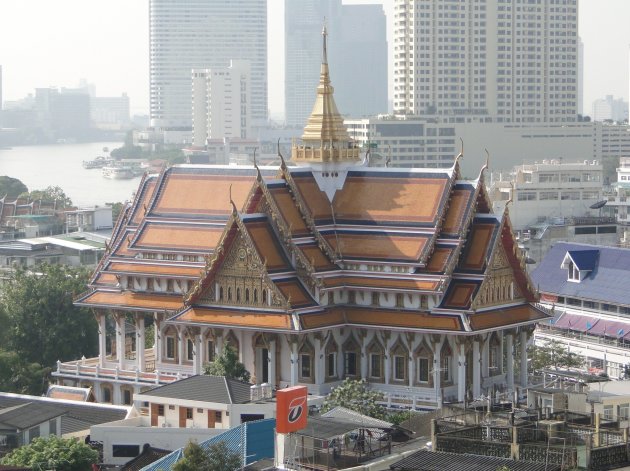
(610,109)
(222,102)
(510,61)
(189,34)
(110,112)
(357,55)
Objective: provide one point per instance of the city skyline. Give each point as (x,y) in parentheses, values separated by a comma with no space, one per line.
(110,48)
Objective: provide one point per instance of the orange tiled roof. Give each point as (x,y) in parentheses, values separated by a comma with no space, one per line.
(188,194)
(381,317)
(294,292)
(317,258)
(105,279)
(459,207)
(145,192)
(178,237)
(267,244)
(130,300)
(505,317)
(288,210)
(383,199)
(240,318)
(378,245)
(439,259)
(314,198)
(478,245)
(459,294)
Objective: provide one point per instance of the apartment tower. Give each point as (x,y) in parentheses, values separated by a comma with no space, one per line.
(194,34)
(512,61)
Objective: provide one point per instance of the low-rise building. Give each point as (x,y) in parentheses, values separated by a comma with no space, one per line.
(587,288)
(89,219)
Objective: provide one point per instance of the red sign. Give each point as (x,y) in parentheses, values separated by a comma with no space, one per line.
(291,409)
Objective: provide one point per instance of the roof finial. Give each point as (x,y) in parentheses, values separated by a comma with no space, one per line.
(258,175)
(234,210)
(325,48)
(283,164)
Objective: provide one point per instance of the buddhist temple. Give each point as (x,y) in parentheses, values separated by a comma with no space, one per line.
(320,269)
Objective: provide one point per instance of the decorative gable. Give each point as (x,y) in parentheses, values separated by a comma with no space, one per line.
(499,285)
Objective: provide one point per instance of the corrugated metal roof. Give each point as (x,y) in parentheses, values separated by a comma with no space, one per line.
(425,460)
(608,282)
(205,388)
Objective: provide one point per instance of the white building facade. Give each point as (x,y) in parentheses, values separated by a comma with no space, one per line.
(222,103)
(184,35)
(498,60)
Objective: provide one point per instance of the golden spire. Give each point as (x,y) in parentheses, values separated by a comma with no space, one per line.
(325,137)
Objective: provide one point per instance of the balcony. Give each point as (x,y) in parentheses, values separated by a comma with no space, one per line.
(90,368)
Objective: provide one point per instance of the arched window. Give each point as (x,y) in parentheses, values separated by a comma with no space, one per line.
(424,360)
(255,296)
(238,295)
(446,362)
(351,355)
(247,295)
(375,358)
(400,362)
(331,358)
(306,355)
(220,293)
(264,296)
(229,294)
(494,355)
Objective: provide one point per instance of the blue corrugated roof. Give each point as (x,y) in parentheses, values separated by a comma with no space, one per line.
(253,440)
(584,259)
(609,280)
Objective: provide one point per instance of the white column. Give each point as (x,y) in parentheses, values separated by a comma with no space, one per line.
(461,373)
(272,363)
(510,360)
(294,363)
(365,359)
(181,351)
(320,362)
(198,354)
(120,340)
(102,338)
(476,379)
(523,341)
(140,339)
(412,369)
(157,340)
(437,375)
(485,359)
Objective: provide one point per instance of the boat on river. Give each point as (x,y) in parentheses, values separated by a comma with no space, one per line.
(116,172)
(98,162)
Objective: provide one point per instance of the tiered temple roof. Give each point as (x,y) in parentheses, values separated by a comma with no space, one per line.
(329,242)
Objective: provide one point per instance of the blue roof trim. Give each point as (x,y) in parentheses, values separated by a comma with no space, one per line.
(584,259)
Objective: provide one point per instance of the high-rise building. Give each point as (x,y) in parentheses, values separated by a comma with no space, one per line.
(360,61)
(199,34)
(580,97)
(610,109)
(494,60)
(303,21)
(357,54)
(222,102)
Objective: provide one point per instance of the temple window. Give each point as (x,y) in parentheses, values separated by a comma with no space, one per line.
(190,350)
(232,342)
(150,286)
(247,295)
(170,286)
(331,359)
(350,358)
(229,294)
(255,296)
(446,356)
(264,296)
(107,393)
(423,369)
(220,293)
(400,360)
(306,354)
(127,396)
(170,347)
(238,295)
(210,350)
(375,355)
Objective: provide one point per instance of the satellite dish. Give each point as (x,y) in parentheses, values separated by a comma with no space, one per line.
(598,205)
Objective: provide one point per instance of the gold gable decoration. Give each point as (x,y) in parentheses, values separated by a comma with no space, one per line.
(325,137)
(499,285)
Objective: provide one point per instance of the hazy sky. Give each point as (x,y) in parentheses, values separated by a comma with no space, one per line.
(55,43)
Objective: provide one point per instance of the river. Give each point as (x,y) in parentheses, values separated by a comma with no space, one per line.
(61,165)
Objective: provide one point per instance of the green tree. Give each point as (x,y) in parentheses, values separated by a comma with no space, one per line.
(195,459)
(553,355)
(354,394)
(19,376)
(218,457)
(50,194)
(221,458)
(11,187)
(116,209)
(41,324)
(61,454)
(227,365)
